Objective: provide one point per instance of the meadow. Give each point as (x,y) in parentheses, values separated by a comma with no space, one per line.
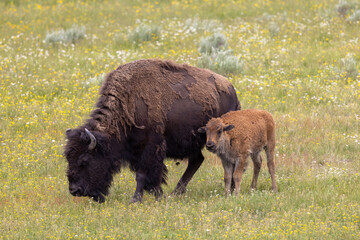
(299,61)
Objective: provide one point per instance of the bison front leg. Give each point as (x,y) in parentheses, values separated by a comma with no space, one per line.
(140,183)
(151,170)
(194,163)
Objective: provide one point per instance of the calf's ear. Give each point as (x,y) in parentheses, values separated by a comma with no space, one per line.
(202,130)
(228,127)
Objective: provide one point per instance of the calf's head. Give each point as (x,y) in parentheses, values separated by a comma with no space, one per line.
(89,167)
(214,130)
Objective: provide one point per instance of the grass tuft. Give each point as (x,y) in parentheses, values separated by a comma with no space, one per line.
(222,62)
(274,29)
(355,17)
(144,33)
(215,43)
(97,80)
(217,57)
(343,7)
(71,35)
(349,67)
(195,24)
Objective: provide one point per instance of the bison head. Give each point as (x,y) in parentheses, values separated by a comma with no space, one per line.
(89,170)
(215,129)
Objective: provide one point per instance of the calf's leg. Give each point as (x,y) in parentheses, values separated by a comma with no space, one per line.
(257,160)
(271,166)
(240,165)
(232,183)
(228,176)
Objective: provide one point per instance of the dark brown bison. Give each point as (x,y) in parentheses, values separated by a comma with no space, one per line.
(147,110)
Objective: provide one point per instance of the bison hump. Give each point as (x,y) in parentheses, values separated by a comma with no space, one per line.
(157,84)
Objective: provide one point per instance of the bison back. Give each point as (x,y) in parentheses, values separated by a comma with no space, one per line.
(148,93)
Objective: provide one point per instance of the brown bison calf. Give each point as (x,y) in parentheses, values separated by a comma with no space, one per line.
(237,135)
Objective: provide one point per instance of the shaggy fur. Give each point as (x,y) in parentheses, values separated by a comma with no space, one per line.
(155,84)
(147,110)
(237,135)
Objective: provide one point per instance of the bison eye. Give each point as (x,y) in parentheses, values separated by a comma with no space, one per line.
(219,132)
(83,162)
(72,176)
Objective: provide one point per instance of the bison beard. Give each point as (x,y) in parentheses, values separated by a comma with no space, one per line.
(147,110)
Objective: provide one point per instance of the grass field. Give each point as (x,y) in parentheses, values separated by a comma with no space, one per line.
(301,62)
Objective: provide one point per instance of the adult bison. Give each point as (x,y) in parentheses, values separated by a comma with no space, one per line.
(147,110)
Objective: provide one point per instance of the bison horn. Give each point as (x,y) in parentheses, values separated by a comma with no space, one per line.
(92,144)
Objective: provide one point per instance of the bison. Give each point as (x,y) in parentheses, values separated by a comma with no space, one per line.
(147,110)
(237,135)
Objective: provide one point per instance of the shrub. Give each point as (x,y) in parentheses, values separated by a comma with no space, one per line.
(213,43)
(266,17)
(12,2)
(349,67)
(196,24)
(355,17)
(274,29)
(343,7)
(71,35)
(144,33)
(120,39)
(96,80)
(222,62)
(216,56)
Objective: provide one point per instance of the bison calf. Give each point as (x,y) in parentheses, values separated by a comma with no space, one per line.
(237,135)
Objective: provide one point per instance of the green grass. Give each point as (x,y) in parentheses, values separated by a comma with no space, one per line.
(301,63)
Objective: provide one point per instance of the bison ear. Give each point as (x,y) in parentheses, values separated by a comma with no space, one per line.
(202,130)
(228,127)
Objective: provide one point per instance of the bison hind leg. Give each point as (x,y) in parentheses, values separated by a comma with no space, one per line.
(195,161)
(157,191)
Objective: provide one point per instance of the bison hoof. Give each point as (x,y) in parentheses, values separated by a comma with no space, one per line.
(99,199)
(178,192)
(135,200)
(158,198)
